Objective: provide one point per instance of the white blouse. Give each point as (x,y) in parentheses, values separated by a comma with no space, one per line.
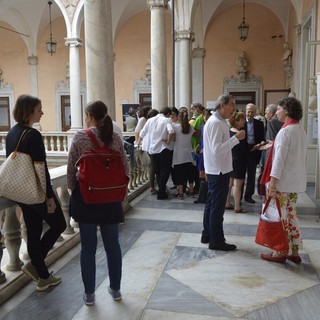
(289,159)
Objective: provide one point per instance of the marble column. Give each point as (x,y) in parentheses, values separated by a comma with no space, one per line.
(184,38)
(197,74)
(177,74)
(75,82)
(159,80)
(317,190)
(33,63)
(99,53)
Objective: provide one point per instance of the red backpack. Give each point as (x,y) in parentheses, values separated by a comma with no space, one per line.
(102,175)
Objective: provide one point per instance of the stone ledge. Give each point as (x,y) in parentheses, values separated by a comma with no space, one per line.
(15,280)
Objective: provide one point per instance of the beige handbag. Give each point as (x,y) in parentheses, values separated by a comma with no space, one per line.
(21,179)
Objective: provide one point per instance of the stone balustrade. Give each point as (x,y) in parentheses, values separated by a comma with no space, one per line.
(53,141)
(13,231)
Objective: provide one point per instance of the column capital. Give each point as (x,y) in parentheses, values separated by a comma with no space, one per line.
(184,35)
(298,29)
(157,3)
(198,52)
(32,60)
(73,42)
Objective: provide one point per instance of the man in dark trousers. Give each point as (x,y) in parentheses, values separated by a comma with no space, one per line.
(255,134)
(217,156)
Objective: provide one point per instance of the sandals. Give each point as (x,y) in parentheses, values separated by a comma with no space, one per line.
(229,207)
(241,210)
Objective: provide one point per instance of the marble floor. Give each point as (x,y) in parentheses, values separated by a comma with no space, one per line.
(169,274)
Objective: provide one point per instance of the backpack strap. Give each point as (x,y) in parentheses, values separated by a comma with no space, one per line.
(93,138)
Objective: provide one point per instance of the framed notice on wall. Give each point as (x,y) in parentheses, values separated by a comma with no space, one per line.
(273,96)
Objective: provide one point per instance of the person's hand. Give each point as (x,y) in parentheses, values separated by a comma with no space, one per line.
(241,135)
(271,192)
(51,205)
(264,145)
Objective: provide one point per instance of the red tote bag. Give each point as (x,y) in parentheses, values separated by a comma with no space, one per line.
(272,234)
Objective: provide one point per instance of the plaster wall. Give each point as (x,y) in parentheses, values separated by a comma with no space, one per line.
(14,61)
(132,51)
(52,69)
(223,48)
(307,4)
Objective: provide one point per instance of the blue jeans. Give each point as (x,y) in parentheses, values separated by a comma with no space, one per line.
(218,186)
(110,238)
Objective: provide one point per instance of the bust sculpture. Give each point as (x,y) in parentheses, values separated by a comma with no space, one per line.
(242,62)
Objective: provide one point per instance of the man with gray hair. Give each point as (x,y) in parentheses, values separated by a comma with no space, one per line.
(273,124)
(217,145)
(255,134)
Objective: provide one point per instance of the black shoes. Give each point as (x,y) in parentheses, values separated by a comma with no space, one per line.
(163,196)
(222,246)
(205,239)
(250,200)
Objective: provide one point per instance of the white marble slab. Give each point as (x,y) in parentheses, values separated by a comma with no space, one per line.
(166,315)
(142,268)
(240,282)
(165,214)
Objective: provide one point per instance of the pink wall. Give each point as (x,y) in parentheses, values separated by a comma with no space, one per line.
(223,47)
(14,61)
(132,48)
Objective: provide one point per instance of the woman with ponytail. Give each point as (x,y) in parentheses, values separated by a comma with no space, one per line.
(90,216)
(182,160)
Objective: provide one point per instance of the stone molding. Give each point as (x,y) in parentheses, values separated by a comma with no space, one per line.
(32,60)
(198,53)
(73,42)
(184,35)
(157,4)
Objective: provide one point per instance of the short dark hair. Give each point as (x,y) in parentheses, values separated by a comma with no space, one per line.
(166,111)
(225,98)
(293,106)
(152,113)
(143,112)
(175,111)
(24,107)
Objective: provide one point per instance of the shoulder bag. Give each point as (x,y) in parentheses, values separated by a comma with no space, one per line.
(21,179)
(272,234)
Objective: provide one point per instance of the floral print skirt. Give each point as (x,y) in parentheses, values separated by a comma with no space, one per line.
(288,204)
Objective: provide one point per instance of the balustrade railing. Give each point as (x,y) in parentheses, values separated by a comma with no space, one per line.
(13,231)
(53,141)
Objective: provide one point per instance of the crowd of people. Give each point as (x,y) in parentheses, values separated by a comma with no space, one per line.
(221,147)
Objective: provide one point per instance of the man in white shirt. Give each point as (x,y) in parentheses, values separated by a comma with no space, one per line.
(218,165)
(160,133)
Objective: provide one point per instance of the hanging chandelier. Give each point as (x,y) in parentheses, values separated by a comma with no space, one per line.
(243,27)
(51,45)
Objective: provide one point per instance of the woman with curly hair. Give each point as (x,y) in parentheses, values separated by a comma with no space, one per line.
(285,174)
